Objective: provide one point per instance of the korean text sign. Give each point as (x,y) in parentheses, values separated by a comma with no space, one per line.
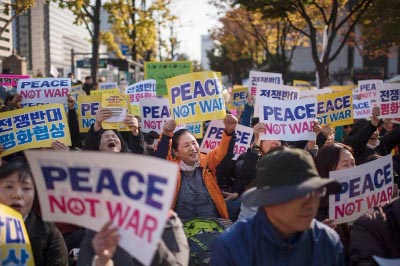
(213,137)
(388,99)
(274,91)
(33,127)
(256,78)
(15,247)
(196,97)
(288,120)
(90,188)
(363,187)
(161,71)
(36,91)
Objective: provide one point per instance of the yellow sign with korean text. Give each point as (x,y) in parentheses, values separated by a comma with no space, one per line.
(33,127)
(15,247)
(335,109)
(196,97)
(118,105)
(196,129)
(101,92)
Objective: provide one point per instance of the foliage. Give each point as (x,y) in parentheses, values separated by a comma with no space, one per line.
(336,18)
(18,6)
(380,29)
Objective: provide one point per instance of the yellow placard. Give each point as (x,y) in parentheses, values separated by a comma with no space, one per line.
(196,129)
(118,105)
(15,247)
(88,105)
(337,88)
(302,84)
(135,109)
(101,92)
(196,97)
(33,127)
(335,109)
(239,96)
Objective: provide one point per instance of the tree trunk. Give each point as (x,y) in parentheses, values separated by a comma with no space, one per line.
(133,32)
(95,41)
(323,75)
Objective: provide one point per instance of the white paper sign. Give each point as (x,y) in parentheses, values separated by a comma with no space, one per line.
(213,137)
(363,187)
(288,120)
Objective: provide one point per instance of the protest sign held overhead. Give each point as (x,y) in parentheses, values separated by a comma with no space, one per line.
(366,89)
(288,120)
(274,91)
(141,90)
(362,108)
(108,86)
(155,112)
(388,100)
(11,79)
(239,96)
(15,247)
(36,91)
(302,84)
(101,92)
(213,136)
(88,106)
(33,127)
(161,71)
(363,187)
(89,189)
(256,78)
(335,109)
(118,105)
(196,97)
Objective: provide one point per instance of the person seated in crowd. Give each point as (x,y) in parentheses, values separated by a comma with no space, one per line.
(284,231)
(112,140)
(101,248)
(17,190)
(197,193)
(365,140)
(376,233)
(332,157)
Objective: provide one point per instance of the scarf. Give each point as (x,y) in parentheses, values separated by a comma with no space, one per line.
(372,147)
(188,168)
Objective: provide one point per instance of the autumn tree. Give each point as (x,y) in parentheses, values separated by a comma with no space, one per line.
(15,8)
(269,42)
(139,27)
(336,19)
(379,29)
(87,12)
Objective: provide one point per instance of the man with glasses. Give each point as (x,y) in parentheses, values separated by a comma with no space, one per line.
(284,231)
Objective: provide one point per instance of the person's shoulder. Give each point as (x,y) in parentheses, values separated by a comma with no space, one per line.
(323,232)
(237,232)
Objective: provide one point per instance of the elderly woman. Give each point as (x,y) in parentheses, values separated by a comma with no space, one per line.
(197,193)
(17,191)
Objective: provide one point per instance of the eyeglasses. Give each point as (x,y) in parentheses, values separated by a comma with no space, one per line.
(321,192)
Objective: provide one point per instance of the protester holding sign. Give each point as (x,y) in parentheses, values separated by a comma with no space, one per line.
(365,141)
(332,157)
(284,231)
(111,140)
(376,233)
(18,191)
(197,194)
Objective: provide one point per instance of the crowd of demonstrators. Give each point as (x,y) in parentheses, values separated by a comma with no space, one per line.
(280,190)
(283,232)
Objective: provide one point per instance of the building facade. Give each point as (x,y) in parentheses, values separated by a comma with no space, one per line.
(46,35)
(6,37)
